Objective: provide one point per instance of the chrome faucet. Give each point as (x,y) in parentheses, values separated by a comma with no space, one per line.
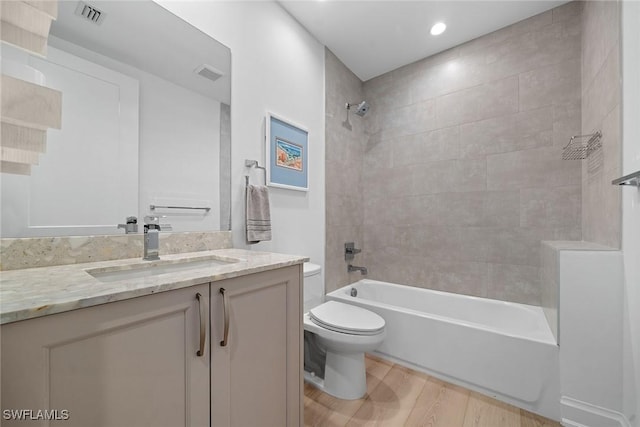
(362,270)
(131,226)
(151,237)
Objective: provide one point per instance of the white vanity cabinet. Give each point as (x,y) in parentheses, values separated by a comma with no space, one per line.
(126,363)
(135,362)
(256,375)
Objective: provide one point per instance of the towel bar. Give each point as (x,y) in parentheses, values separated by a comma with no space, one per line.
(154,207)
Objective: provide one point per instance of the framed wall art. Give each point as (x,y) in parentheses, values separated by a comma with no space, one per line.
(287,154)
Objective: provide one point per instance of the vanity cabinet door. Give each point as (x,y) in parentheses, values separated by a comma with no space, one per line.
(256,376)
(126,363)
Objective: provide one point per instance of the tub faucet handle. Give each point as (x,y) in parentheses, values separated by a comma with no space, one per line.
(350,250)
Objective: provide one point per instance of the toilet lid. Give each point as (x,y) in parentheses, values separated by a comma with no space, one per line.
(345,318)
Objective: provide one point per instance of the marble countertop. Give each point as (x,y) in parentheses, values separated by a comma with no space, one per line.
(35,292)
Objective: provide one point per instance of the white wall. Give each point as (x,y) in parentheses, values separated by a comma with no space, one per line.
(276,66)
(590,284)
(631,203)
(179,154)
(179,147)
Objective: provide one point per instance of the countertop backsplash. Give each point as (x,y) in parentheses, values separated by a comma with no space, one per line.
(34,252)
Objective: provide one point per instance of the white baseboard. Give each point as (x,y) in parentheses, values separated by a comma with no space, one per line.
(576,413)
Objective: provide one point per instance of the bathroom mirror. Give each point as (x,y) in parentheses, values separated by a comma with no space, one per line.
(145,125)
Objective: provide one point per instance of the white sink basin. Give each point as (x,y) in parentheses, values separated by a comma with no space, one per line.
(137,271)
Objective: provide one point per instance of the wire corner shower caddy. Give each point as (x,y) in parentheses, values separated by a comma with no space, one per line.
(579,147)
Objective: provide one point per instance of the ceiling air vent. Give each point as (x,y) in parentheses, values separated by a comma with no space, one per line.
(90,13)
(208,72)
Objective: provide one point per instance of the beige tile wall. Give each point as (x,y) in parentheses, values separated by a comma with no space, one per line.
(601,201)
(344,160)
(462,175)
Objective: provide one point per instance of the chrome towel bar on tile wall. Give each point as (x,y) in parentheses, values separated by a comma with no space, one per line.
(254,164)
(631,179)
(579,148)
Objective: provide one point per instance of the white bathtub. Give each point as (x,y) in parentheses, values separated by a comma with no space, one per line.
(498,348)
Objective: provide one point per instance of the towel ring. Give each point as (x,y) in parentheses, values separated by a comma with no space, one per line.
(254,164)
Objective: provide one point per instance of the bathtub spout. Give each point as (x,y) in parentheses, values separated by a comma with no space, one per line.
(352,268)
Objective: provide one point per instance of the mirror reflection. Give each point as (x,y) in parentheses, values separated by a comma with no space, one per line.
(145,125)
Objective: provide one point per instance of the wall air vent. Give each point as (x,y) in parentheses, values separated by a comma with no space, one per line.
(90,13)
(208,72)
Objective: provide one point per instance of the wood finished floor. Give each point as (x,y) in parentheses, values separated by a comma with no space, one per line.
(397,396)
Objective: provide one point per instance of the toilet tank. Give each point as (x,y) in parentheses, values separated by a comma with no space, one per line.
(313,289)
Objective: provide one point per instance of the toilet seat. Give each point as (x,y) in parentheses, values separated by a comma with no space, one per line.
(346,319)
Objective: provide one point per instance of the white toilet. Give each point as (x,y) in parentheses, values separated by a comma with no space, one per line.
(336,337)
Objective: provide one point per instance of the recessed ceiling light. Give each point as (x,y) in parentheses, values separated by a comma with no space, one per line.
(438,28)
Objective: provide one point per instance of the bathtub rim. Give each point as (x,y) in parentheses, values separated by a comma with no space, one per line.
(340,295)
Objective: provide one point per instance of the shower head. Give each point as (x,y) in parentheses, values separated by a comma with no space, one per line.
(361,108)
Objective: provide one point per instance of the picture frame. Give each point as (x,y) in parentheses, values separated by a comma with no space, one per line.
(287,154)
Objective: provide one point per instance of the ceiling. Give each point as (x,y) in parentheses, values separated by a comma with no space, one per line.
(374,37)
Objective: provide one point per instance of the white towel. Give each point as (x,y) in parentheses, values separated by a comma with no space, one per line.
(258,215)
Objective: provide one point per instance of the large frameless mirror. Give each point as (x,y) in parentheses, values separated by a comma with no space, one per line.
(146,124)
